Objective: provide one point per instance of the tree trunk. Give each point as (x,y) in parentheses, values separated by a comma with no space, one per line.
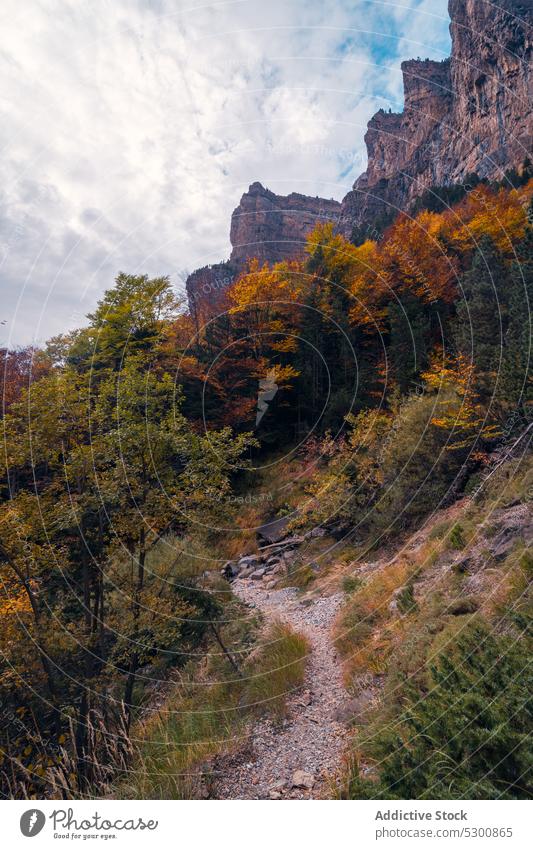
(233,662)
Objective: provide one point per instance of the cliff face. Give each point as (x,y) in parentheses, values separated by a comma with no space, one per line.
(205,289)
(272,227)
(471,113)
(264,225)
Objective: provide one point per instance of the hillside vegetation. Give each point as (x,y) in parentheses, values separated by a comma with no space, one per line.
(395,376)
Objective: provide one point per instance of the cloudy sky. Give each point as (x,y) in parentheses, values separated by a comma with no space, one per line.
(130,128)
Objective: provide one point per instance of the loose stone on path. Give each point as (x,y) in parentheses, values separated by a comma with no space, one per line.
(298,758)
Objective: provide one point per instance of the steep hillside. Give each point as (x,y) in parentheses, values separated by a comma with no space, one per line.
(438,615)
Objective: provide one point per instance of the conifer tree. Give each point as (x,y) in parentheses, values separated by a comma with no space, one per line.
(481,316)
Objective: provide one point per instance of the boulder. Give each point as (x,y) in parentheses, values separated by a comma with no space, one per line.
(288,556)
(503,543)
(278,786)
(249,560)
(274,530)
(247,573)
(303,780)
(355,710)
(257,574)
(228,571)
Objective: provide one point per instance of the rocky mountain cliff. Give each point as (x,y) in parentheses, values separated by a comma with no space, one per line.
(271,227)
(267,226)
(471,113)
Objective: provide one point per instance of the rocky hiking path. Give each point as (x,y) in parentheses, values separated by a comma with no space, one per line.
(299,757)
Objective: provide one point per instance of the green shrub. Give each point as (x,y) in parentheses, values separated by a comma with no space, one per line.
(406,601)
(456,538)
(351,583)
(467,735)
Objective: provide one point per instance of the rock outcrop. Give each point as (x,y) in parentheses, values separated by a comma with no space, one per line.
(273,227)
(469,114)
(205,289)
(264,225)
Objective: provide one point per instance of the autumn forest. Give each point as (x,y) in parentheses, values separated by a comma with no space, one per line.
(136,466)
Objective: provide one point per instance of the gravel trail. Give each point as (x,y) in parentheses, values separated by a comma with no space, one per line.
(307,748)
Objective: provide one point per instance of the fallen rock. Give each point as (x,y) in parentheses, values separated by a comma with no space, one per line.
(289,556)
(228,571)
(278,786)
(355,710)
(249,560)
(257,574)
(303,779)
(274,530)
(503,543)
(272,562)
(305,698)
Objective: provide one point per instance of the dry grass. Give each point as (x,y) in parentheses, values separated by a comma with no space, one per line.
(203,718)
(276,671)
(362,633)
(511,583)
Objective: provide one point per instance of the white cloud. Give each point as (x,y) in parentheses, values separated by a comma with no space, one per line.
(129,130)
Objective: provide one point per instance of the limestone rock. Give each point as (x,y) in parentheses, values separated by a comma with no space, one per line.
(303,780)
(273,227)
(249,560)
(471,113)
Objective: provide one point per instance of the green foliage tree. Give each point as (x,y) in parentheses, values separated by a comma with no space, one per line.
(129,319)
(98,472)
